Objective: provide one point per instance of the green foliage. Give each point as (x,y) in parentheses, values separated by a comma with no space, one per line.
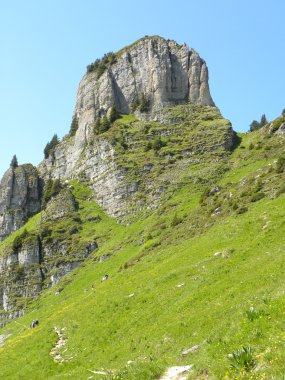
(255,125)
(114,115)
(176,220)
(51,188)
(205,195)
(275,125)
(280,164)
(253,314)
(20,272)
(74,125)
(157,270)
(49,148)
(104,124)
(148,146)
(144,103)
(158,143)
(18,240)
(135,104)
(97,126)
(263,121)
(101,65)
(14,162)
(251,146)
(242,359)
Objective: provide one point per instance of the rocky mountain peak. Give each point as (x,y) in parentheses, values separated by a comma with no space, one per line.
(152,72)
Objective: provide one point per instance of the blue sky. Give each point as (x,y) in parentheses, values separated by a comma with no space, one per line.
(46,45)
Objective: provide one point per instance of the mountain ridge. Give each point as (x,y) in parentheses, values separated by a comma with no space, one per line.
(182,213)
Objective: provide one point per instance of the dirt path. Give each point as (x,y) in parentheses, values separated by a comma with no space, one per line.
(55,352)
(177,373)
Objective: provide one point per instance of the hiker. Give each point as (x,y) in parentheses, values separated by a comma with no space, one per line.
(105,278)
(34,324)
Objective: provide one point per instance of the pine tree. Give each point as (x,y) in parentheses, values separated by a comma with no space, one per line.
(105,124)
(113,114)
(135,104)
(263,121)
(97,126)
(73,126)
(144,104)
(254,126)
(14,162)
(49,148)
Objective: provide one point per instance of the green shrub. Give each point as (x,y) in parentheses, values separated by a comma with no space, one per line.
(204,195)
(242,359)
(14,162)
(49,148)
(104,125)
(280,164)
(256,197)
(157,143)
(144,104)
(277,123)
(280,191)
(135,104)
(100,65)
(176,220)
(18,241)
(251,146)
(51,189)
(113,114)
(20,272)
(74,126)
(252,314)
(242,210)
(97,126)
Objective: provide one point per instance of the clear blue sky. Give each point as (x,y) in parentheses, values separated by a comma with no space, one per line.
(47,44)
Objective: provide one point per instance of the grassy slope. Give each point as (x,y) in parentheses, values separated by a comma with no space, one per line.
(105,328)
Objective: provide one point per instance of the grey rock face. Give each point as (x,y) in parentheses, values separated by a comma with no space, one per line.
(165,72)
(99,166)
(19,198)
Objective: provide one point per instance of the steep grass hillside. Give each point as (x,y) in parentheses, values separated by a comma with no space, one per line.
(197,280)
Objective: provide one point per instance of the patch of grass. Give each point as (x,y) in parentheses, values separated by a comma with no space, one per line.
(166,290)
(242,359)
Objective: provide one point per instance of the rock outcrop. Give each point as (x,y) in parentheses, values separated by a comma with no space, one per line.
(37,260)
(131,168)
(165,73)
(20,194)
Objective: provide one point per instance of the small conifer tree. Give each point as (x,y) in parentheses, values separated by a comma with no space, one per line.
(73,126)
(254,126)
(97,126)
(135,104)
(49,148)
(104,125)
(14,162)
(144,104)
(113,114)
(263,121)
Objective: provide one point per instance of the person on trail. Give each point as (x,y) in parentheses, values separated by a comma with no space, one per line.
(105,278)
(34,324)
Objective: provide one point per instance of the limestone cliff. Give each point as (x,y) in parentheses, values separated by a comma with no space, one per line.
(20,190)
(128,169)
(165,72)
(38,259)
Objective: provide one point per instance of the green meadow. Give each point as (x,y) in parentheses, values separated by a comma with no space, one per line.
(198,279)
